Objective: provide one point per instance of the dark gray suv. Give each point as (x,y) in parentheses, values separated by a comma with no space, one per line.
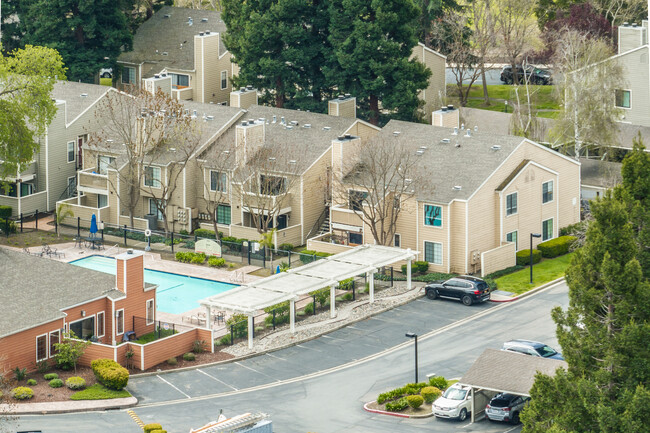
(466,288)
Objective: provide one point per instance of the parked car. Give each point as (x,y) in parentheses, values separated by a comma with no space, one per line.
(532,348)
(505,407)
(466,288)
(454,403)
(533,74)
(106,73)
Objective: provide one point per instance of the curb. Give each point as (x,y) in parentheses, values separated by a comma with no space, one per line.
(400,415)
(531,291)
(67,406)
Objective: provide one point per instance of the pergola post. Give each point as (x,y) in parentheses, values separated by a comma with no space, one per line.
(250,331)
(292,315)
(371,285)
(208,316)
(408,271)
(332,301)
(473,417)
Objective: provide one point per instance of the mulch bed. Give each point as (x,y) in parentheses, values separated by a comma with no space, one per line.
(423,410)
(43,392)
(201,358)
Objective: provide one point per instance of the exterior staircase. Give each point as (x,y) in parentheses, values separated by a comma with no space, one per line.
(325,227)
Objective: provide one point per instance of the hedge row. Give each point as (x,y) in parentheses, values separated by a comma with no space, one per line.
(197,258)
(523,257)
(110,374)
(419,267)
(5,212)
(556,247)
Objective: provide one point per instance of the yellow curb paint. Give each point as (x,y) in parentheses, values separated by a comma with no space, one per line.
(136,418)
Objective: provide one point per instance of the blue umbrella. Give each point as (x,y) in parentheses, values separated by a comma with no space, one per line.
(93,225)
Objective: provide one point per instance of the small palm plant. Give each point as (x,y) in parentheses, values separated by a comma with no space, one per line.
(62,212)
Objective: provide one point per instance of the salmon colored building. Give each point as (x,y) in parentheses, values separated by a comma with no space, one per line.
(41,299)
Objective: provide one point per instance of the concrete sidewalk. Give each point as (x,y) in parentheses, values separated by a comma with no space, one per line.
(66,406)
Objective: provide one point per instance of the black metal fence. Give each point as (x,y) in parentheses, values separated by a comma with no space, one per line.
(23,223)
(146,331)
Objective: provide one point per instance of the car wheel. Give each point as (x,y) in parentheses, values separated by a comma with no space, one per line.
(467,300)
(515,418)
(432,294)
(462,416)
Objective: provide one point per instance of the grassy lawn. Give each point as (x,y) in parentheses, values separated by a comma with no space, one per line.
(543,272)
(152,336)
(544,97)
(106,81)
(99,392)
(33,239)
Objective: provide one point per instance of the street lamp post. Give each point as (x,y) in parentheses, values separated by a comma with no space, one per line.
(415,336)
(532,235)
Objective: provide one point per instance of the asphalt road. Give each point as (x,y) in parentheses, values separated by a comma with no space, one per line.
(492,76)
(321,385)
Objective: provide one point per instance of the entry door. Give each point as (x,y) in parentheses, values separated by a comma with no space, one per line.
(84,329)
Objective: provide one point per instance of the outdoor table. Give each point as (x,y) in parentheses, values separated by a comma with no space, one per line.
(93,242)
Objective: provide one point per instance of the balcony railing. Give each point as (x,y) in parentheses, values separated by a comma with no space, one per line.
(91,181)
(257,202)
(183,93)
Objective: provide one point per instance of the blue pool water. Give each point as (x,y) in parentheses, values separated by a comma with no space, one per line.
(175,294)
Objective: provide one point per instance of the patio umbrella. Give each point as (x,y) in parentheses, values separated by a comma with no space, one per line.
(93,226)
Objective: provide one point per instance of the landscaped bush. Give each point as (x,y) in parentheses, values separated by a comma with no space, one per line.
(50,376)
(20,373)
(225,340)
(197,259)
(439,382)
(347,284)
(56,383)
(347,297)
(411,388)
(309,308)
(5,212)
(430,394)
(286,247)
(75,382)
(398,405)
(148,428)
(523,257)
(42,367)
(199,346)
(188,257)
(172,361)
(189,356)
(217,262)
(417,267)
(240,325)
(308,256)
(99,392)
(502,272)
(110,374)
(22,393)
(556,247)
(31,382)
(205,233)
(415,401)
(11,226)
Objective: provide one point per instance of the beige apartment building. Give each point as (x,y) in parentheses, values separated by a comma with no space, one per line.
(185,45)
(51,176)
(434,96)
(490,192)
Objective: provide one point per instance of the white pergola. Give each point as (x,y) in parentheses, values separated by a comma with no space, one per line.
(288,286)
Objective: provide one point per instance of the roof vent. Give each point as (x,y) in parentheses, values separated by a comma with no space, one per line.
(204,20)
(457,187)
(249,87)
(348,136)
(341,96)
(289,127)
(209,117)
(275,118)
(307,125)
(129,251)
(241,89)
(625,24)
(194,112)
(457,144)
(496,147)
(83,95)
(340,138)
(244,123)
(207,32)
(294,122)
(166,16)
(396,133)
(419,152)
(173,149)
(201,33)
(462,126)
(190,21)
(423,148)
(468,133)
(282,121)
(475,128)
(272,158)
(450,107)
(156,76)
(251,121)
(633,24)
(227,152)
(326,128)
(165,53)
(455,131)
(407,181)
(445,140)
(292,161)
(110,140)
(347,95)
(443,109)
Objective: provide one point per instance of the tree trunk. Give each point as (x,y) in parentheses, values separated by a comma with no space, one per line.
(279,93)
(374,110)
(486,97)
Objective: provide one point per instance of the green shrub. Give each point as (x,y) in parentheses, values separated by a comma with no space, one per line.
(50,376)
(417,267)
(183,257)
(347,297)
(75,382)
(309,308)
(430,394)
(199,346)
(56,383)
(523,257)
(31,382)
(184,232)
(225,340)
(286,247)
(189,356)
(556,247)
(239,322)
(20,373)
(574,229)
(172,361)
(438,382)
(322,296)
(415,401)
(217,262)
(205,233)
(159,431)
(398,405)
(5,212)
(347,284)
(42,367)
(110,374)
(148,428)
(197,258)
(22,393)
(502,272)
(11,226)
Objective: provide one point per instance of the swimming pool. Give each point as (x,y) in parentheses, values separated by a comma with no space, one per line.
(175,294)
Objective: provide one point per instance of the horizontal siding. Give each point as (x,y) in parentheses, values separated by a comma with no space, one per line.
(19,349)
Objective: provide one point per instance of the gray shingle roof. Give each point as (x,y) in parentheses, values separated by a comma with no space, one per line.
(467,166)
(595,172)
(72,92)
(36,289)
(167,34)
(502,371)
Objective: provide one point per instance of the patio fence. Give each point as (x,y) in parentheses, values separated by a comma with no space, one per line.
(23,223)
(151,331)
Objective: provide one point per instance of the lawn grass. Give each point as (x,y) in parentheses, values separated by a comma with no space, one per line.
(543,272)
(152,336)
(106,81)
(544,97)
(99,392)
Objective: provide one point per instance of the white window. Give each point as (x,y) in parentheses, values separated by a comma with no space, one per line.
(100,324)
(180,81)
(119,321)
(547,191)
(105,162)
(547,229)
(622,98)
(41,347)
(152,177)
(218,181)
(397,241)
(512,237)
(150,312)
(55,337)
(70,151)
(224,80)
(128,75)
(153,209)
(433,252)
(432,215)
(511,204)
(102,200)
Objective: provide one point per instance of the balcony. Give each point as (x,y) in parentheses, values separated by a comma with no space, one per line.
(256,203)
(92,182)
(183,93)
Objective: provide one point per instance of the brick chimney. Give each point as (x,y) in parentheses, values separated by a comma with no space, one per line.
(130,271)
(343,106)
(244,97)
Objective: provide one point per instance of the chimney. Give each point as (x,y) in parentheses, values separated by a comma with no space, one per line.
(345,151)
(244,97)
(343,106)
(249,136)
(158,81)
(447,117)
(631,37)
(130,271)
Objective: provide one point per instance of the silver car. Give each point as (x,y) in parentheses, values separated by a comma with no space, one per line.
(505,407)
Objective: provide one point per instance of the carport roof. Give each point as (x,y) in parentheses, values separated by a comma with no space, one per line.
(313,276)
(502,371)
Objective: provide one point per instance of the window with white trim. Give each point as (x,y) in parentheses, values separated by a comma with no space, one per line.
(70,151)
(622,98)
(153,209)
(180,81)
(432,215)
(119,321)
(128,75)
(512,237)
(433,252)
(224,80)
(547,191)
(397,240)
(55,338)
(150,312)
(218,181)
(41,347)
(547,229)
(152,176)
(223,214)
(100,324)
(511,204)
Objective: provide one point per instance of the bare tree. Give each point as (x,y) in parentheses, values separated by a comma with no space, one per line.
(216,168)
(619,11)
(590,81)
(7,415)
(379,181)
(483,37)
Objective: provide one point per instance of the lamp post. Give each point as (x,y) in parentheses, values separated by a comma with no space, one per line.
(532,235)
(415,336)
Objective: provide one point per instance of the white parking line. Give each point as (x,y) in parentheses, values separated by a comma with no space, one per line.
(309,348)
(220,381)
(332,338)
(273,356)
(258,372)
(173,386)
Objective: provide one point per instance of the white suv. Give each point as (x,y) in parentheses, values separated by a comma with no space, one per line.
(454,403)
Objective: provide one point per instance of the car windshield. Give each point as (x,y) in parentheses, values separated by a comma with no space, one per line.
(455,394)
(545,351)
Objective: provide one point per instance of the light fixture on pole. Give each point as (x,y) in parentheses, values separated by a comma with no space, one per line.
(414,336)
(532,235)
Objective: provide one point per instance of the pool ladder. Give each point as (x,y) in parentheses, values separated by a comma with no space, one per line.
(117,246)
